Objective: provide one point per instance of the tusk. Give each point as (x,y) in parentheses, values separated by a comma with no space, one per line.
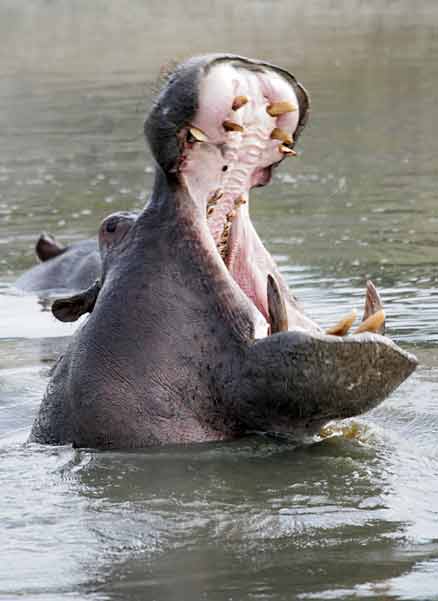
(286,150)
(283,136)
(342,327)
(276,307)
(374,323)
(373,302)
(280,108)
(239,101)
(232,126)
(198,134)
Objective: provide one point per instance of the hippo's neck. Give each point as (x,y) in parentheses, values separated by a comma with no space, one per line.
(171,201)
(179,222)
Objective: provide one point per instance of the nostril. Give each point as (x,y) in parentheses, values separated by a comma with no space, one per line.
(224,168)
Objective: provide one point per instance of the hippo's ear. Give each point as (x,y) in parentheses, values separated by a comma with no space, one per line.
(46,247)
(71,308)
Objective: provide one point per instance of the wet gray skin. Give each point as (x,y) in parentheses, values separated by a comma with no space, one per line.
(72,267)
(175,350)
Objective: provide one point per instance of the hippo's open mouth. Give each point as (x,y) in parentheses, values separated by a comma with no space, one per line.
(246,122)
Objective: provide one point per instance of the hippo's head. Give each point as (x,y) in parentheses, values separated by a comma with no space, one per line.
(194,334)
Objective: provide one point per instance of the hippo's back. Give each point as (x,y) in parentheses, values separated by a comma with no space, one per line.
(75,269)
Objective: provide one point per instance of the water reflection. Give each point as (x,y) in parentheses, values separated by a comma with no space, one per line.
(255,516)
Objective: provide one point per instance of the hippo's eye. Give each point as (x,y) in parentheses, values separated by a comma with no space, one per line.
(111,226)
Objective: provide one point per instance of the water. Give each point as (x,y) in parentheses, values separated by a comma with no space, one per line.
(342,518)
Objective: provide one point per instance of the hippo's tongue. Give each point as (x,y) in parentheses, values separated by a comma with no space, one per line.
(244,125)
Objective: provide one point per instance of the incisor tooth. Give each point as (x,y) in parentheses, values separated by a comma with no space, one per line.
(283,136)
(198,134)
(286,150)
(239,101)
(342,327)
(232,126)
(280,108)
(374,323)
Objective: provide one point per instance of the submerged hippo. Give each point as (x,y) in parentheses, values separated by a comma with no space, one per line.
(194,335)
(72,267)
(62,268)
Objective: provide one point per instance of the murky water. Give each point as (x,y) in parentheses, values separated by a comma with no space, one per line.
(339,519)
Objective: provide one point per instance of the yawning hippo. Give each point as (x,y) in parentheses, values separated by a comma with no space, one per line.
(194,335)
(72,267)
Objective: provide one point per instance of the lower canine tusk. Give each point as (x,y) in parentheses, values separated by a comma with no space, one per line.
(374,323)
(373,302)
(342,327)
(276,307)
(280,108)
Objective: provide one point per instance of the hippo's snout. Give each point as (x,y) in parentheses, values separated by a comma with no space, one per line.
(306,379)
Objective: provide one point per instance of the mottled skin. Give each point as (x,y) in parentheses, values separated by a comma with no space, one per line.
(169,353)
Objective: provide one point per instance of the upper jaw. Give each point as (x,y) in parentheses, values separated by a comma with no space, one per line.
(245,123)
(181,101)
(217,129)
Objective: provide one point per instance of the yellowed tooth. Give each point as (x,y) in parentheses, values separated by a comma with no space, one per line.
(214,197)
(342,327)
(239,101)
(240,201)
(283,136)
(198,134)
(280,108)
(222,245)
(232,126)
(286,150)
(373,323)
